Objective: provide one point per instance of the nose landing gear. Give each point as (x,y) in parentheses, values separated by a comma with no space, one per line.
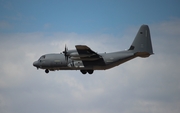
(46,71)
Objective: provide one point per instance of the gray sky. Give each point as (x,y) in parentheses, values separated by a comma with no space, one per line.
(142,85)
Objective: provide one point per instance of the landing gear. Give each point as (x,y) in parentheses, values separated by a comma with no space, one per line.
(46,71)
(85,71)
(90,71)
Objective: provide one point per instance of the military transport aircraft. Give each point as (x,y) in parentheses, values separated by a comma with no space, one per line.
(86,60)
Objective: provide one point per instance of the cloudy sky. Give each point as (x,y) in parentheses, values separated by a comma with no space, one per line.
(30,28)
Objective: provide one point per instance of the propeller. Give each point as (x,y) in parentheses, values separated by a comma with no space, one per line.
(66,53)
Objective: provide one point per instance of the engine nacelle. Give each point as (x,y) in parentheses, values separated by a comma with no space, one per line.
(76,54)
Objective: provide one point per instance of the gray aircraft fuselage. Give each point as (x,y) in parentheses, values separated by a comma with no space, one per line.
(58,62)
(86,60)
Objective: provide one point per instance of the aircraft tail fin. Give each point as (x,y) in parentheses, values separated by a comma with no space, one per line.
(142,45)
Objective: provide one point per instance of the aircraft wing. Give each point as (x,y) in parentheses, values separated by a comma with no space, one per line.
(86,54)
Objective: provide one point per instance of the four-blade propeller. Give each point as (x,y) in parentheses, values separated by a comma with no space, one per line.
(66,53)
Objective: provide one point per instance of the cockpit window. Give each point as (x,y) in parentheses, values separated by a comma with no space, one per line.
(42,57)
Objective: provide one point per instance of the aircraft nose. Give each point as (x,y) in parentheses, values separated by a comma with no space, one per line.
(35,64)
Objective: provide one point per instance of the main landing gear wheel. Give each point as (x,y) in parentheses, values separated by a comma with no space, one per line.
(46,71)
(90,71)
(85,71)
